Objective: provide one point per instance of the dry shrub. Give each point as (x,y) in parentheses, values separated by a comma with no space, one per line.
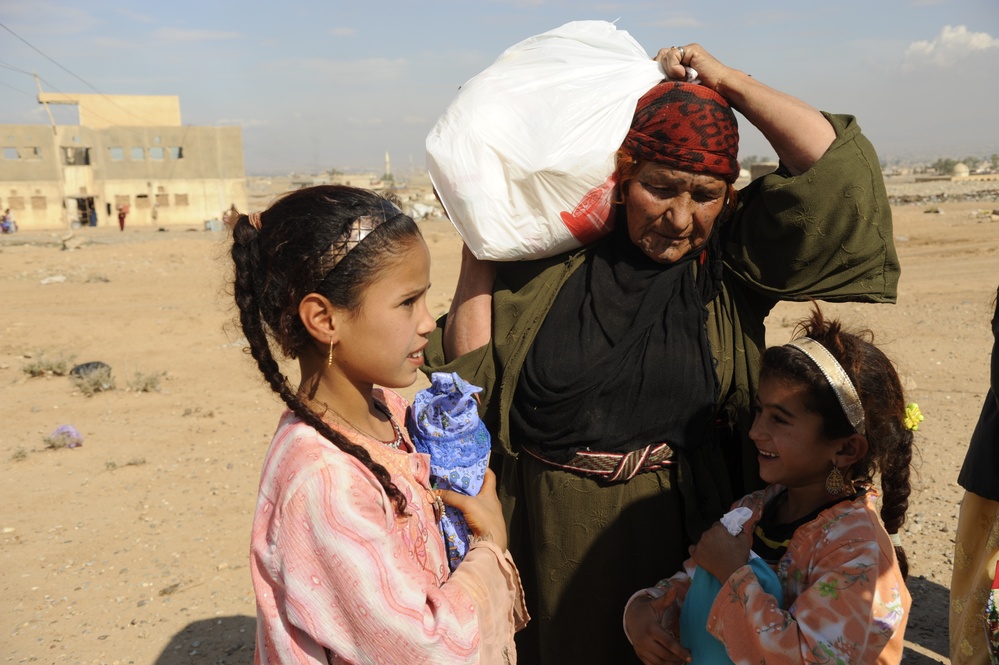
(146,383)
(45,365)
(95,382)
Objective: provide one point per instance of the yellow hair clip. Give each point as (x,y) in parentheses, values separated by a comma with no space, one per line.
(913,416)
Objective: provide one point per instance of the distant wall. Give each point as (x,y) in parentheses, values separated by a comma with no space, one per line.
(102,111)
(166,175)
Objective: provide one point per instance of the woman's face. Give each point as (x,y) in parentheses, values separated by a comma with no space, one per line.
(671,213)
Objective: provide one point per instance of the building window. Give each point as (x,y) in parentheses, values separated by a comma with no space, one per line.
(163,200)
(15,203)
(117,154)
(75,156)
(11,153)
(180,199)
(121,200)
(38,203)
(176,152)
(156,153)
(138,154)
(142,201)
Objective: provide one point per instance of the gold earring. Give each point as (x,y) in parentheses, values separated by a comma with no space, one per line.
(329,361)
(835,483)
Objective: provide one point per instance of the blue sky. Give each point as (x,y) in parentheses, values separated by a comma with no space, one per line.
(331,84)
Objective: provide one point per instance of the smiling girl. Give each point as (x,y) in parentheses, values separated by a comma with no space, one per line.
(348,564)
(830,416)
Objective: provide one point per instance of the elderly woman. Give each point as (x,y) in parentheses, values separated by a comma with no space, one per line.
(618,378)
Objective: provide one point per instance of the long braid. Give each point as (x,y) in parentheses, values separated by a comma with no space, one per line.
(247,260)
(895,485)
(890,443)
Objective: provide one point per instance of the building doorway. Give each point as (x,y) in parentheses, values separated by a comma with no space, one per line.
(81,211)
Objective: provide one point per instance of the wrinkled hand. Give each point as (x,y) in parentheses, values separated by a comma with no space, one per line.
(483,512)
(710,71)
(652,626)
(720,553)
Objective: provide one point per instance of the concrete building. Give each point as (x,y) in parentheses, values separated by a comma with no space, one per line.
(128,152)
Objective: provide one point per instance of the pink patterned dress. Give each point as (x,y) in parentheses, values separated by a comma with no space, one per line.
(339,577)
(844,597)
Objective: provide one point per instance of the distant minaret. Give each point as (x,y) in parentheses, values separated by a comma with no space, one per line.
(388,166)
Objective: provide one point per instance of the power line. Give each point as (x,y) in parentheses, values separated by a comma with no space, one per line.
(37,50)
(13,68)
(7,85)
(50,59)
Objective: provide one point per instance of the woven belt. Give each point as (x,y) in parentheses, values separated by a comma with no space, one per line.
(613,467)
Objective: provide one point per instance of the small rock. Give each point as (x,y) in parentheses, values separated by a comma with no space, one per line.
(54,279)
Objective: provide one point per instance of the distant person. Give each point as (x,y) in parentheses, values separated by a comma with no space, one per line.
(230,216)
(347,561)
(976,547)
(7,223)
(92,215)
(830,416)
(122,212)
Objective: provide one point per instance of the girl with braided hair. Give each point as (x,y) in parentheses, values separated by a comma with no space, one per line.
(348,564)
(829,417)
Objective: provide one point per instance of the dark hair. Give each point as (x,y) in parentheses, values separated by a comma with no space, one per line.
(890,443)
(287,259)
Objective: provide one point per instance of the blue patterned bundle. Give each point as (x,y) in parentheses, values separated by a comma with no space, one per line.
(444,423)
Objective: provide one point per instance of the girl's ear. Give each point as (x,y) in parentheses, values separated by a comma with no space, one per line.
(852,449)
(320,318)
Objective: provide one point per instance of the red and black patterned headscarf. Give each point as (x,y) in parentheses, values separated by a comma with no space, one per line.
(685,126)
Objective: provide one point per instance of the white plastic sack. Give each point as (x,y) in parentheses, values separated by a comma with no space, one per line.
(523,158)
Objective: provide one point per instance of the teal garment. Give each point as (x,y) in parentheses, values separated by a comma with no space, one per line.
(705,648)
(583,546)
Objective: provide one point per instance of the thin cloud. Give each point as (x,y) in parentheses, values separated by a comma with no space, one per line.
(365,122)
(371,70)
(136,16)
(952,45)
(113,43)
(189,35)
(342,32)
(33,18)
(680,22)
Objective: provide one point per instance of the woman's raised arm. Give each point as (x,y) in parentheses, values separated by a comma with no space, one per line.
(470,319)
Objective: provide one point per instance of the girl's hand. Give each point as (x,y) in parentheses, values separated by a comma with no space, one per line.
(720,553)
(651,624)
(483,513)
(710,71)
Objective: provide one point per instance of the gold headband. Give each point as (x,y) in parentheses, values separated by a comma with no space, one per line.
(255,220)
(837,377)
(357,231)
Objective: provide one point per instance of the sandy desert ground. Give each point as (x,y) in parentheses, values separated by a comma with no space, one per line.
(132,548)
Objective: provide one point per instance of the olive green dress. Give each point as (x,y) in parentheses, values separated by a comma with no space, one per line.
(583,545)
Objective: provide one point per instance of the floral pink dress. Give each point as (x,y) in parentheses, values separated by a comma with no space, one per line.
(339,577)
(844,597)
